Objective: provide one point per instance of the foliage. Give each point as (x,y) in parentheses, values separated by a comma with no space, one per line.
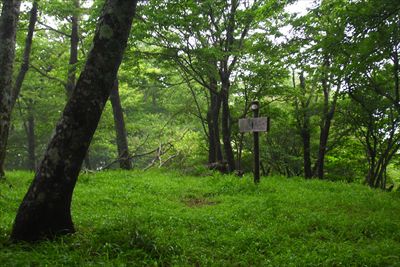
(345,50)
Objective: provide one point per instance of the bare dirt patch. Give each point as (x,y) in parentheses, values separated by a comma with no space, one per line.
(194,202)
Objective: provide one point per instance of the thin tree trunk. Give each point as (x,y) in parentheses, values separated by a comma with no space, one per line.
(27,53)
(31,137)
(215,152)
(305,130)
(326,120)
(306,154)
(73,54)
(323,141)
(216,98)
(120,130)
(212,155)
(8,29)
(226,130)
(45,210)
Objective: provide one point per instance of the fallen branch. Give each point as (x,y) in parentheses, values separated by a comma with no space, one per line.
(159,151)
(130,157)
(169,159)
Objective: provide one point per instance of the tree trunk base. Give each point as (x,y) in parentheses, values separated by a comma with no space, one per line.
(37,221)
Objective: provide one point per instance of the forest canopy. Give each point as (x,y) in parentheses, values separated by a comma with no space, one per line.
(327,76)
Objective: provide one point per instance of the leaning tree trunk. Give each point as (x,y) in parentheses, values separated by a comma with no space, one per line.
(45,209)
(8,29)
(30,129)
(73,61)
(120,130)
(27,54)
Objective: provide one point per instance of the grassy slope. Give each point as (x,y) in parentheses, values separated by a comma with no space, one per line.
(136,218)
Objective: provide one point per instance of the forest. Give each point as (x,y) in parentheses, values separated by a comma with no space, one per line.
(147,95)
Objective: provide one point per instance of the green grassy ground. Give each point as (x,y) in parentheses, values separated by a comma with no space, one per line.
(164,218)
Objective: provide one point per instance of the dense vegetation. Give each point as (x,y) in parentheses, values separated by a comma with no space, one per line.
(136,218)
(328,78)
(161,84)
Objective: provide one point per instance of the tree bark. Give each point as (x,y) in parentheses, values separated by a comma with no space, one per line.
(27,54)
(326,120)
(323,139)
(8,29)
(211,141)
(214,144)
(45,209)
(226,130)
(305,130)
(120,130)
(31,138)
(73,54)
(215,118)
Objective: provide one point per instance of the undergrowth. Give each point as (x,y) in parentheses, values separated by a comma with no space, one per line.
(133,218)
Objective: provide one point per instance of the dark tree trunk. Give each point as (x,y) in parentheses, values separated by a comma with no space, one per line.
(45,209)
(305,130)
(323,141)
(31,138)
(216,107)
(30,129)
(27,53)
(8,29)
(73,54)
(324,135)
(226,130)
(212,155)
(326,120)
(120,130)
(306,154)
(215,152)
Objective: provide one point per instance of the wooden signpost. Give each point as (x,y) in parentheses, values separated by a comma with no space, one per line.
(255,125)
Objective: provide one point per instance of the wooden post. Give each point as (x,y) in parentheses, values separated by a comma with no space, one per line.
(255,125)
(255,107)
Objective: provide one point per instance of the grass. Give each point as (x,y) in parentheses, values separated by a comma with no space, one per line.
(165,218)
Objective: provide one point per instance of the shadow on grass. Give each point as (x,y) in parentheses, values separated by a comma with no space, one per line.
(112,244)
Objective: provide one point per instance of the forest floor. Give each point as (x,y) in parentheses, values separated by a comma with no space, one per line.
(138,218)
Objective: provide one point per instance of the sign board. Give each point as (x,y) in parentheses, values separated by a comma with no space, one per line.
(253,124)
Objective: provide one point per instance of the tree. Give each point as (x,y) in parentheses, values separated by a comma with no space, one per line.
(8,29)
(30,125)
(120,129)
(73,54)
(319,37)
(303,121)
(372,81)
(27,53)
(207,41)
(45,209)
